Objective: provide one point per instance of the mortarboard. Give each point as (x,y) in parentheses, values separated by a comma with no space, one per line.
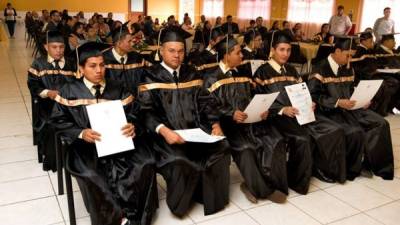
(88,50)
(345,43)
(170,34)
(225,45)
(54,36)
(215,33)
(250,36)
(389,36)
(118,33)
(365,35)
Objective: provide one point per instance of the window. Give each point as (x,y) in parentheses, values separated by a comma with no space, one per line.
(213,8)
(251,9)
(313,11)
(186,6)
(373,9)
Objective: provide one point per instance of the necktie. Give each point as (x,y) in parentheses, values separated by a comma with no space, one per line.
(122,60)
(97,94)
(176,79)
(283,71)
(57,64)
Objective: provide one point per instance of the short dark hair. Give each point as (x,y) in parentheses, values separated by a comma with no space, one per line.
(387,8)
(285,22)
(340,7)
(229,17)
(52,12)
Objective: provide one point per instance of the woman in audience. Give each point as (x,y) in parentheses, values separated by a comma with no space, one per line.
(77,37)
(275,26)
(324,36)
(218,22)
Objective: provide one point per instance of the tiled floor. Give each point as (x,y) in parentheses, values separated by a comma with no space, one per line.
(28,195)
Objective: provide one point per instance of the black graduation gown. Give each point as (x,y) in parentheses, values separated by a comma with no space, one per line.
(42,75)
(258,150)
(371,132)
(388,60)
(128,73)
(365,69)
(115,186)
(204,58)
(189,169)
(323,136)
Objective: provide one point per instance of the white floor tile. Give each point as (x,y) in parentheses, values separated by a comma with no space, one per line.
(21,170)
(238,198)
(37,212)
(320,184)
(197,212)
(281,214)
(54,182)
(323,207)
(16,141)
(360,219)
(386,187)
(387,214)
(237,218)
(358,195)
(18,154)
(24,190)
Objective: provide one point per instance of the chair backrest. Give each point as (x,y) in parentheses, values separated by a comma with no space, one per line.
(323,52)
(296,56)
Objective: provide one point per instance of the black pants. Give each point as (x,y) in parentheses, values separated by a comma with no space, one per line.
(11,27)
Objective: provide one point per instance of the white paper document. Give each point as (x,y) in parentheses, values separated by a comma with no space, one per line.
(364,92)
(300,99)
(198,135)
(255,64)
(388,70)
(259,104)
(108,118)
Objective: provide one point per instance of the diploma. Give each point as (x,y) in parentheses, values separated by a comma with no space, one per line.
(364,92)
(300,98)
(258,105)
(198,135)
(107,119)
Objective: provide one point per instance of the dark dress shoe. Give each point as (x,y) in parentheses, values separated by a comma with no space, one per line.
(247,193)
(277,197)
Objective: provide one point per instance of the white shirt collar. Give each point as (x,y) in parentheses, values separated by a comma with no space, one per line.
(118,56)
(387,50)
(212,51)
(51,60)
(363,46)
(170,70)
(248,49)
(90,85)
(276,65)
(333,64)
(225,68)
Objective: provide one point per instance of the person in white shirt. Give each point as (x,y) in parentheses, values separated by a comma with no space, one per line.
(383,25)
(10,15)
(340,23)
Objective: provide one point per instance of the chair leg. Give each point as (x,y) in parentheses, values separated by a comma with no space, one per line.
(70,198)
(60,163)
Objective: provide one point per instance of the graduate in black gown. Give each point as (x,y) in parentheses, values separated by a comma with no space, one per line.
(169,97)
(116,189)
(365,66)
(46,76)
(331,85)
(252,48)
(258,150)
(208,58)
(122,62)
(328,159)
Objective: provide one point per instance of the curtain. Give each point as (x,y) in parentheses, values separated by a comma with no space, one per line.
(186,6)
(311,14)
(212,9)
(251,9)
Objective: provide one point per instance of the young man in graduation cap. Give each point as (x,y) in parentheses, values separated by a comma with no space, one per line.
(169,98)
(46,76)
(253,46)
(258,149)
(331,85)
(365,65)
(116,189)
(316,147)
(389,57)
(208,57)
(122,62)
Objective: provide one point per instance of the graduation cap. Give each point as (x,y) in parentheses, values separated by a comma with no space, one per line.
(225,45)
(250,36)
(278,37)
(171,34)
(119,33)
(88,50)
(345,43)
(389,36)
(54,36)
(215,33)
(365,35)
